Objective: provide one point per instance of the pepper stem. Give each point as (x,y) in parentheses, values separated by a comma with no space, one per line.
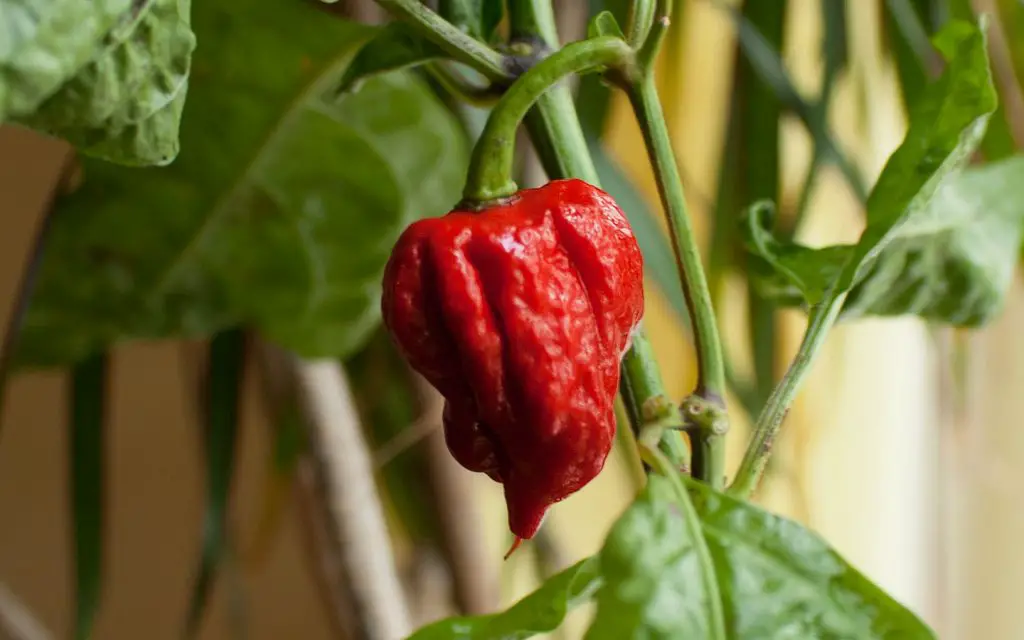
(490,172)
(706,408)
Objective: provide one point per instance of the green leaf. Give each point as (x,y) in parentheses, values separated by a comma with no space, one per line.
(280,211)
(946,126)
(659,581)
(125,104)
(938,243)
(604,24)
(786,271)
(911,49)
(779,580)
(221,400)
(45,43)
(909,23)
(670,568)
(86,438)
(540,612)
(396,46)
(478,18)
(952,262)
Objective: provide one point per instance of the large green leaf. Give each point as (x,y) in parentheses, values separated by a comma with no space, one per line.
(946,126)
(939,243)
(396,46)
(280,211)
(125,105)
(779,580)
(659,579)
(770,577)
(540,612)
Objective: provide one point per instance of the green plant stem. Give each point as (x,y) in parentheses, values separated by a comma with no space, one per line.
(748,476)
(452,82)
(490,169)
(709,450)
(628,443)
(647,53)
(641,17)
(461,46)
(553,123)
(533,19)
(648,403)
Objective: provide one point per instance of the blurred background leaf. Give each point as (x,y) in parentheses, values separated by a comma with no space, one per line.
(87,427)
(220,400)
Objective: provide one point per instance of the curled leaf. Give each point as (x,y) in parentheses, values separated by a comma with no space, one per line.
(940,242)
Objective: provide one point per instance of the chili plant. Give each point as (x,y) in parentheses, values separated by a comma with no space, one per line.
(522,307)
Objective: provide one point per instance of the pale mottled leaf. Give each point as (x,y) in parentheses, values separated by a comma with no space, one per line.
(125,105)
(946,126)
(953,262)
(43,43)
(940,242)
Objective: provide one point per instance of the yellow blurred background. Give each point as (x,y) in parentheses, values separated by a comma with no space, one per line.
(920,487)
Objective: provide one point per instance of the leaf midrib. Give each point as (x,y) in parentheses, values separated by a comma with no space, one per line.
(293,110)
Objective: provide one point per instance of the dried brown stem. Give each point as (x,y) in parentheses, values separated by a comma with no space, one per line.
(474,572)
(16,621)
(339,481)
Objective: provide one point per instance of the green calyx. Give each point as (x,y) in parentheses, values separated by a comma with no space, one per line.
(490,170)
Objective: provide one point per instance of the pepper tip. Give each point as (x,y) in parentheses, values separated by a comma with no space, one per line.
(515,545)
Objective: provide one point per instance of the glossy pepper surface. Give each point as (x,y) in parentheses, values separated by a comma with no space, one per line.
(519,315)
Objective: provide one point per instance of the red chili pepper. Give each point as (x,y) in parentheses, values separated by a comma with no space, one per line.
(519,315)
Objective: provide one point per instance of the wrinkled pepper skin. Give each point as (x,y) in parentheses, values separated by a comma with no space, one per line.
(519,315)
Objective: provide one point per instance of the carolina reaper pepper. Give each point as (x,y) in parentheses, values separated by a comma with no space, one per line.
(519,315)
